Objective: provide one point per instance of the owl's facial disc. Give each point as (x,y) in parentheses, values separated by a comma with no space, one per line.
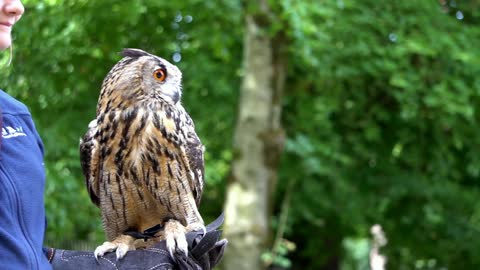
(167,78)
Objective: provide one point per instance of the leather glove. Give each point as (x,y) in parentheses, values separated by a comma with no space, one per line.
(204,252)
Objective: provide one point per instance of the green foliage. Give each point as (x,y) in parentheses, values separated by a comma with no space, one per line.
(382,117)
(380,113)
(357,253)
(279,255)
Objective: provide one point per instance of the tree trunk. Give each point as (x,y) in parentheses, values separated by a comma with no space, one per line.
(258,142)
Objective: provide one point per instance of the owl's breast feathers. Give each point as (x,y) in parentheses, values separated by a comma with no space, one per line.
(153,150)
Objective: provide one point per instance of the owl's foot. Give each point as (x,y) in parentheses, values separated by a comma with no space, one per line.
(122,244)
(174,234)
(192,227)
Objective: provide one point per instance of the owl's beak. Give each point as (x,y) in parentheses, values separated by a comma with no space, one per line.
(176,97)
(171,94)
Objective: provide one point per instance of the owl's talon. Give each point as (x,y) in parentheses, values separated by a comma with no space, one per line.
(177,244)
(96,256)
(121,245)
(192,227)
(175,237)
(122,250)
(102,249)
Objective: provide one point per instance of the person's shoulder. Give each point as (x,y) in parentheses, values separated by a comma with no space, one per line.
(10,105)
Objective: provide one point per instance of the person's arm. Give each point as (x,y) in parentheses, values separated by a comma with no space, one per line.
(205,251)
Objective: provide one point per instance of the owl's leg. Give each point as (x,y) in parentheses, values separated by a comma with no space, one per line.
(174,234)
(122,244)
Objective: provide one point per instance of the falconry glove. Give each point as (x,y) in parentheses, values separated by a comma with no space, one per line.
(204,253)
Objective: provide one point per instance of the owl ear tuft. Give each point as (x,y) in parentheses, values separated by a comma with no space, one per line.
(134,53)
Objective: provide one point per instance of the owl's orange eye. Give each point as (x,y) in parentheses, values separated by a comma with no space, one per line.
(160,74)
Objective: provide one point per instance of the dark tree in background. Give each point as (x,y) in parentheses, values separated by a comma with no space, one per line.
(379,112)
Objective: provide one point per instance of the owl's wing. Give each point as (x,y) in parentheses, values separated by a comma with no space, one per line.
(89,161)
(193,154)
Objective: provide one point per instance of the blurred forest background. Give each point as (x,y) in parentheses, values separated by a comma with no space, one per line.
(376,115)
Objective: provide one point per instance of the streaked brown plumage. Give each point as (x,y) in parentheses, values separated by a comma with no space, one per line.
(142,160)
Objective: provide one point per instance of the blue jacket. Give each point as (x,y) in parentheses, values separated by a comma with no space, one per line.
(22,181)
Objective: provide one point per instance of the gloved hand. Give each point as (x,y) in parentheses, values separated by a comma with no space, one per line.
(204,252)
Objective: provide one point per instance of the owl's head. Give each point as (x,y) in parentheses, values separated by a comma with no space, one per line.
(153,76)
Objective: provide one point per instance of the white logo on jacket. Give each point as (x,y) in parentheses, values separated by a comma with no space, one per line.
(10,132)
